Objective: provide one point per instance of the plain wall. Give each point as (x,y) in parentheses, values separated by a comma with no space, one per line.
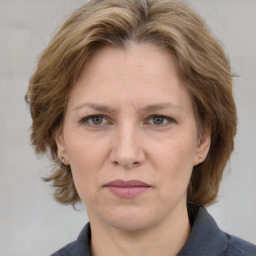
(31,222)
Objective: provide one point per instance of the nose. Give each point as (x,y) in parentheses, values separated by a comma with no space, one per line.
(127,147)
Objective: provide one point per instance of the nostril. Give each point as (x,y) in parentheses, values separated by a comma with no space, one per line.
(127,164)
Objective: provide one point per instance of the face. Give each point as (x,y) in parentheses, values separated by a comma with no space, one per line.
(131,138)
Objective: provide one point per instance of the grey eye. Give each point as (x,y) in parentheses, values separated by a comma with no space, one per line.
(94,121)
(97,120)
(158,120)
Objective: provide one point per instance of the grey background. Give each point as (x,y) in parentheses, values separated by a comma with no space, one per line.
(31,222)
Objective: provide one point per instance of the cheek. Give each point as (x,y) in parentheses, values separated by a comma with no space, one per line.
(175,159)
(85,152)
(176,153)
(85,159)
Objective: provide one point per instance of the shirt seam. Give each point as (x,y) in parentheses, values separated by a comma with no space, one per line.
(234,246)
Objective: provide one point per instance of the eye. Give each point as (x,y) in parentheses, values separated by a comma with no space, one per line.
(160,120)
(94,120)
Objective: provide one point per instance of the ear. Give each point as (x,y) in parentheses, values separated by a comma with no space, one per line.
(61,147)
(203,146)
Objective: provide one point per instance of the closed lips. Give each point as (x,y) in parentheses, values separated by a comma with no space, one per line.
(127,189)
(129,183)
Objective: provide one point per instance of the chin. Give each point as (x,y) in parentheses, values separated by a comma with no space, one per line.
(134,225)
(131,220)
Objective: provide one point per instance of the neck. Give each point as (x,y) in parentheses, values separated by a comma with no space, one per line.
(166,238)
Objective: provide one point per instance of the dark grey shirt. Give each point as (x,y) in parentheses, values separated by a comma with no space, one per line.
(206,239)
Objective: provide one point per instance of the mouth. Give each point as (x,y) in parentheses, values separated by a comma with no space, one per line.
(127,189)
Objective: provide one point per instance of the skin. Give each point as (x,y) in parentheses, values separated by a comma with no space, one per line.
(126,87)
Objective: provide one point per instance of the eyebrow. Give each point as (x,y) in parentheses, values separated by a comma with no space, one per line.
(98,107)
(148,108)
(160,106)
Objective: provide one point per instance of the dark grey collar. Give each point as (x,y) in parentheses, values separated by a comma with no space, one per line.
(205,239)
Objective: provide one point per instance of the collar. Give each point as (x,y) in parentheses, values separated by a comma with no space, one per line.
(205,238)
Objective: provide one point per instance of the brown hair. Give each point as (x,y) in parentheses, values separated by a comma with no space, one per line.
(201,63)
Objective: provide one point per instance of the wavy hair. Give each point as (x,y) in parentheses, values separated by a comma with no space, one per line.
(201,63)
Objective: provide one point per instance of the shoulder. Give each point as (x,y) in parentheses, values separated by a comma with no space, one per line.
(239,247)
(67,250)
(206,238)
(80,247)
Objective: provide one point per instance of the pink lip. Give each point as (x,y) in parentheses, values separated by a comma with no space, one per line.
(127,189)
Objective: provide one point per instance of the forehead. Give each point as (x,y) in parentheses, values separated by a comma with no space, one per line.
(133,60)
(140,73)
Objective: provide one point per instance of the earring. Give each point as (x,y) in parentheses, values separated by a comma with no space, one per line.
(63,160)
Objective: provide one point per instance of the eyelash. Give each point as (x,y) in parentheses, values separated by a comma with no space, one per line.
(167,119)
(89,118)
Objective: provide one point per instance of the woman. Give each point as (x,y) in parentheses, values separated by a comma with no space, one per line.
(133,99)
